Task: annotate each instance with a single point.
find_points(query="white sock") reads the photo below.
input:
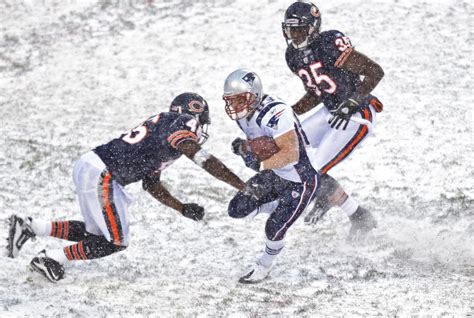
(272, 249)
(266, 208)
(58, 255)
(41, 228)
(349, 206)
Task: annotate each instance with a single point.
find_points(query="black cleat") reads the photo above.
(19, 233)
(47, 267)
(362, 222)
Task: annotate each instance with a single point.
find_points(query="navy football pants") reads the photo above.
(293, 198)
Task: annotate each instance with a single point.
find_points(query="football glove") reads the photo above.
(193, 211)
(343, 114)
(238, 147)
(250, 160)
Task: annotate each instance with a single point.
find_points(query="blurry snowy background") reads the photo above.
(76, 73)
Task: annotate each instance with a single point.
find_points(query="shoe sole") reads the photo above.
(11, 236)
(249, 282)
(244, 280)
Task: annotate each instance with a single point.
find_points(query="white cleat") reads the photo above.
(19, 233)
(256, 274)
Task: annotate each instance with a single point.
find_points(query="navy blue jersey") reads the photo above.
(319, 67)
(148, 148)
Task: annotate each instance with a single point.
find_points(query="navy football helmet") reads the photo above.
(196, 106)
(302, 23)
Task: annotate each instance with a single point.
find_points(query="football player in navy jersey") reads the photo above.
(335, 74)
(101, 175)
(286, 180)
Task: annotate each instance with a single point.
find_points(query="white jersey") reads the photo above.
(274, 118)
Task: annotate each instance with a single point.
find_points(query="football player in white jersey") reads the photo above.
(286, 182)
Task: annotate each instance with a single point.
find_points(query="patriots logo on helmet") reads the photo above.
(249, 78)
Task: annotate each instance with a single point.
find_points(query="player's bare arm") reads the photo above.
(159, 192)
(360, 64)
(288, 153)
(307, 102)
(211, 164)
(153, 186)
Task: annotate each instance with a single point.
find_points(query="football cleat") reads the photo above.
(316, 213)
(362, 222)
(255, 275)
(19, 233)
(48, 267)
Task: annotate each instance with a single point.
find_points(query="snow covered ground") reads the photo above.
(76, 73)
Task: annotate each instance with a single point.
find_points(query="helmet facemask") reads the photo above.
(204, 135)
(240, 105)
(196, 106)
(301, 25)
(298, 35)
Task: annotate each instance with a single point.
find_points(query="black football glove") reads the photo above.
(255, 190)
(343, 114)
(252, 162)
(238, 147)
(249, 158)
(193, 211)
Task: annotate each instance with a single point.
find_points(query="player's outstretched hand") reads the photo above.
(193, 211)
(343, 114)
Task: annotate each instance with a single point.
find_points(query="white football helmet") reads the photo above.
(242, 93)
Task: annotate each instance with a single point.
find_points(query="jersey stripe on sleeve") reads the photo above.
(343, 57)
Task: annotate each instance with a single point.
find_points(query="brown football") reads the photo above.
(262, 147)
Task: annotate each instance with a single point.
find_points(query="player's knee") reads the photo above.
(235, 209)
(238, 207)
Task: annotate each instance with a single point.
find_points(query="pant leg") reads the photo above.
(294, 198)
(104, 203)
(337, 144)
(316, 126)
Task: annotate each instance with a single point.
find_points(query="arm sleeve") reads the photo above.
(182, 129)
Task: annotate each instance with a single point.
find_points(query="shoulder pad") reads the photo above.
(271, 112)
(331, 35)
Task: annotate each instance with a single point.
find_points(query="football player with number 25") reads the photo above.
(100, 176)
(275, 145)
(342, 79)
